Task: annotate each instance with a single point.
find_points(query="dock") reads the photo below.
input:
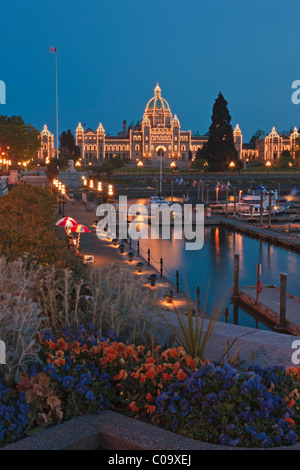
(268, 306)
(264, 233)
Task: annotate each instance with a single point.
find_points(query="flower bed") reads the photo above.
(201, 400)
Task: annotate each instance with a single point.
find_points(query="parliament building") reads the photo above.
(158, 135)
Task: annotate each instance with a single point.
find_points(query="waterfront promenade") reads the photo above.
(103, 251)
(105, 254)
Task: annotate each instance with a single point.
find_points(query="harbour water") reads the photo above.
(211, 268)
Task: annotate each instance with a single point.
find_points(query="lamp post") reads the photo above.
(99, 189)
(140, 165)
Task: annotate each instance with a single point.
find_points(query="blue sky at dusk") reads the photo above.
(112, 53)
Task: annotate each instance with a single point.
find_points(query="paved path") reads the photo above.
(106, 254)
(103, 251)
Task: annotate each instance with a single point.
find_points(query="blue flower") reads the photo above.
(85, 378)
(90, 396)
(81, 388)
(212, 398)
(192, 385)
(234, 442)
(105, 378)
(32, 371)
(68, 381)
(223, 439)
(291, 437)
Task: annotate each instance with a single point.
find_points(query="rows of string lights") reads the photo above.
(61, 187)
(97, 185)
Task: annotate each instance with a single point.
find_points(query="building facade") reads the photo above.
(46, 150)
(159, 134)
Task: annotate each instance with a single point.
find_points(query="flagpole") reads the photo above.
(56, 103)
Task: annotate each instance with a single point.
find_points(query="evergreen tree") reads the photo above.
(219, 150)
(68, 150)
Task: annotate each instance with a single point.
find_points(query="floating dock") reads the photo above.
(268, 306)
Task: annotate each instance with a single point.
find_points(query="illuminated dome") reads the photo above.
(157, 103)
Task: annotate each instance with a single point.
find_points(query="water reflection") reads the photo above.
(212, 267)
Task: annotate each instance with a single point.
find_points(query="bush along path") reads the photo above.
(86, 373)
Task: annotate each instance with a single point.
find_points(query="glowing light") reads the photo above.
(99, 186)
(232, 164)
(91, 184)
(268, 164)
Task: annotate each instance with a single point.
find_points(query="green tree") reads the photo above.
(52, 171)
(68, 150)
(285, 159)
(200, 164)
(21, 138)
(259, 133)
(219, 150)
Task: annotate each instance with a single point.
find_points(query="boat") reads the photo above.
(249, 206)
(159, 200)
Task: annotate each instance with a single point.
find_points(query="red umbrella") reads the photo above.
(79, 229)
(67, 222)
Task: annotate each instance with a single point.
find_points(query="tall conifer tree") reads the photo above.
(219, 150)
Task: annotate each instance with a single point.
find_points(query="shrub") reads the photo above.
(26, 219)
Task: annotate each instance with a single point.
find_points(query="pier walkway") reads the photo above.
(268, 306)
(284, 239)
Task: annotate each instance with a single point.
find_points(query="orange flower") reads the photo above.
(290, 421)
(176, 366)
(150, 360)
(121, 375)
(190, 363)
(129, 351)
(133, 406)
(62, 344)
(135, 375)
(151, 373)
(172, 352)
(52, 345)
(120, 347)
(60, 361)
(167, 377)
(142, 378)
(111, 357)
(149, 397)
(290, 403)
(181, 375)
(150, 409)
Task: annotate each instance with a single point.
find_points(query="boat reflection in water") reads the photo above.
(211, 268)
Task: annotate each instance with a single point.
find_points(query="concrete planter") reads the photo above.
(113, 431)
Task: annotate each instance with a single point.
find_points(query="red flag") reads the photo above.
(52, 49)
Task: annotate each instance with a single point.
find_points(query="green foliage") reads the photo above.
(52, 171)
(27, 225)
(285, 160)
(68, 150)
(22, 139)
(219, 150)
(200, 164)
(191, 332)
